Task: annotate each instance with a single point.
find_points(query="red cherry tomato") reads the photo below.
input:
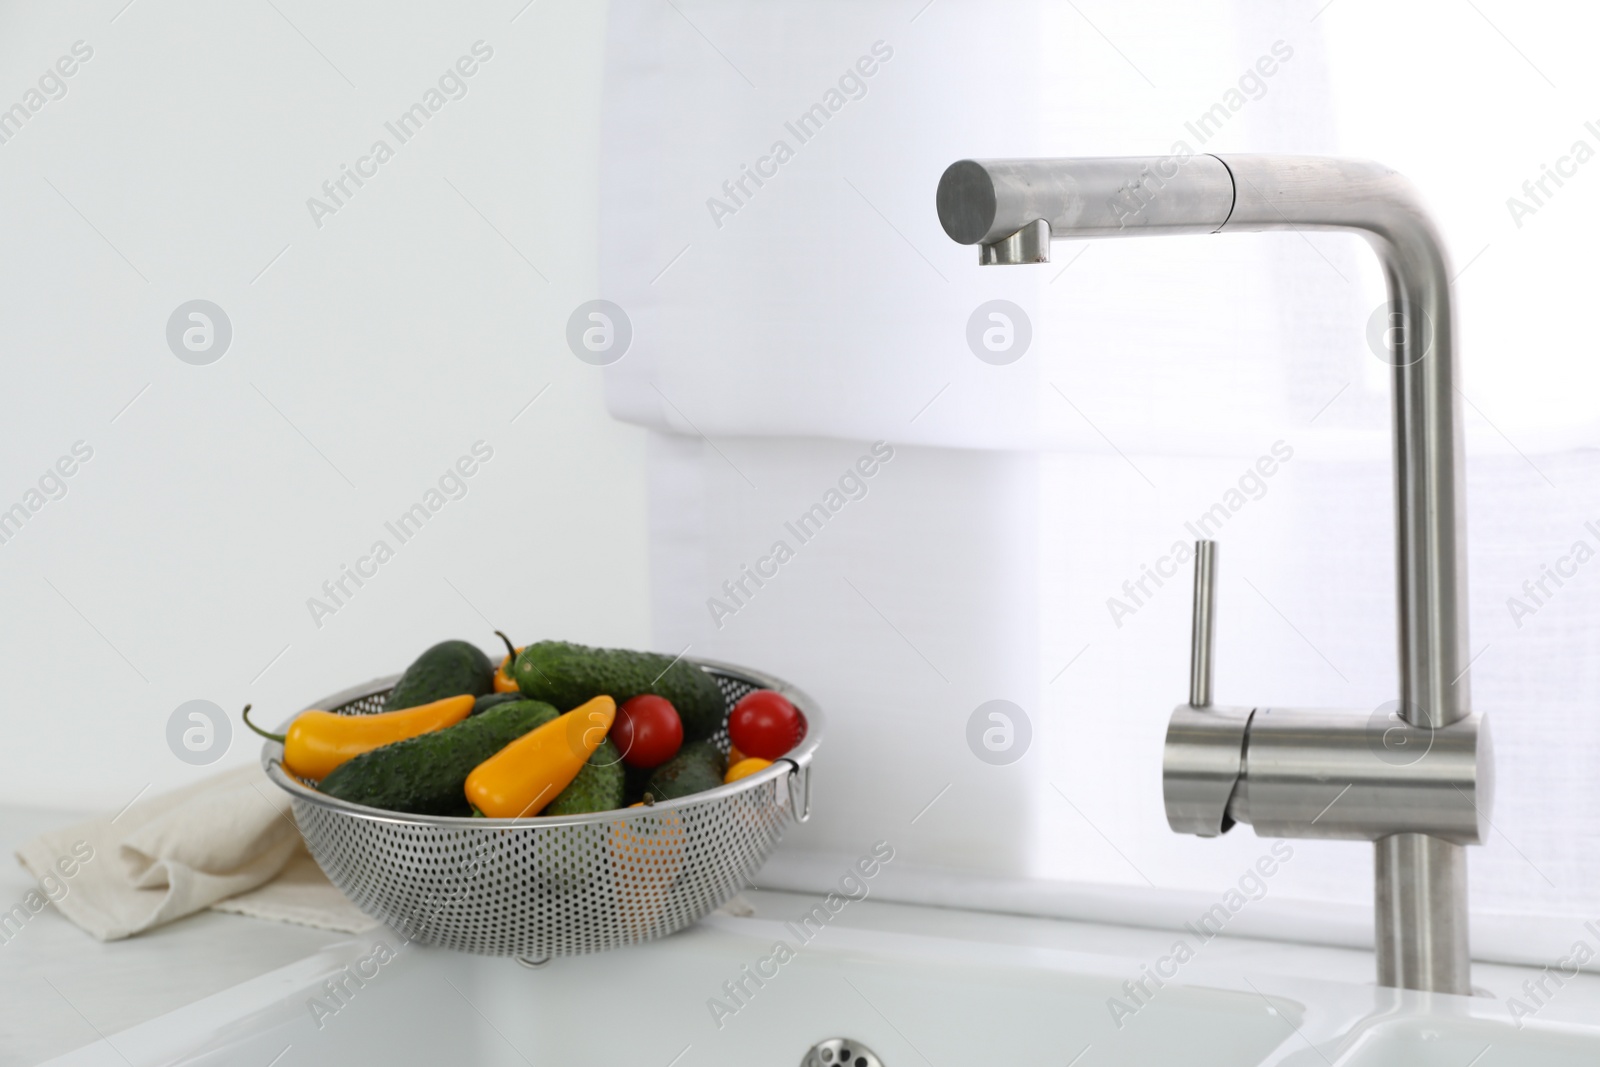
(765, 725)
(647, 730)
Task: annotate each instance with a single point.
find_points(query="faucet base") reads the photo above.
(1421, 922)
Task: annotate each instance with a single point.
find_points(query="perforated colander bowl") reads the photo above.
(561, 885)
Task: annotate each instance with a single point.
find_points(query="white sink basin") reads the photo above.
(918, 986)
(1420, 1041)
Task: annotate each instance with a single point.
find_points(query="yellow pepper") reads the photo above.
(319, 741)
(527, 774)
(503, 682)
(745, 768)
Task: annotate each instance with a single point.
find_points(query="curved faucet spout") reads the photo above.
(986, 202)
(1004, 205)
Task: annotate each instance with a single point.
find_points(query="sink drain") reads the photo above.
(840, 1052)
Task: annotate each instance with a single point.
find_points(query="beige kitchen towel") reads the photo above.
(228, 842)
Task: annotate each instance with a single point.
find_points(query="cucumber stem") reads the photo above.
(511, 650)
(245, 714)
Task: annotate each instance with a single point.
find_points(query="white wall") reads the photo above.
(829, 310)
(365, 359)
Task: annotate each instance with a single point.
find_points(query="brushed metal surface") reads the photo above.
(1421, 882)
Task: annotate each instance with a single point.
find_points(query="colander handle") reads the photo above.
(803, 773)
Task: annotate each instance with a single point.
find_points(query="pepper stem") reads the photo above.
(511, 650)
(245, 714)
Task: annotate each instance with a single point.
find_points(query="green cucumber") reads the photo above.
(698, 766)
(598, 787)
(489, 700)
(567, 675)
(427, 774)
(448, 669)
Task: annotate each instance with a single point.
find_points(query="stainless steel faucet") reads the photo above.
(1419, 787)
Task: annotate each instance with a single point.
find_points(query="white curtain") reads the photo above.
(781, 327)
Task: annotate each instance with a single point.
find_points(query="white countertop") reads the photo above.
(63, 990)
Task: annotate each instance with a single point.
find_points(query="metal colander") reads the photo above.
(559, 885)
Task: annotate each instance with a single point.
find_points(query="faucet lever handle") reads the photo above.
(1202, 646)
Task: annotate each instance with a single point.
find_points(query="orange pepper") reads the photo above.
(503, 682)
(745, 768)
(527, 774)
(319, 741)
(647, 856)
